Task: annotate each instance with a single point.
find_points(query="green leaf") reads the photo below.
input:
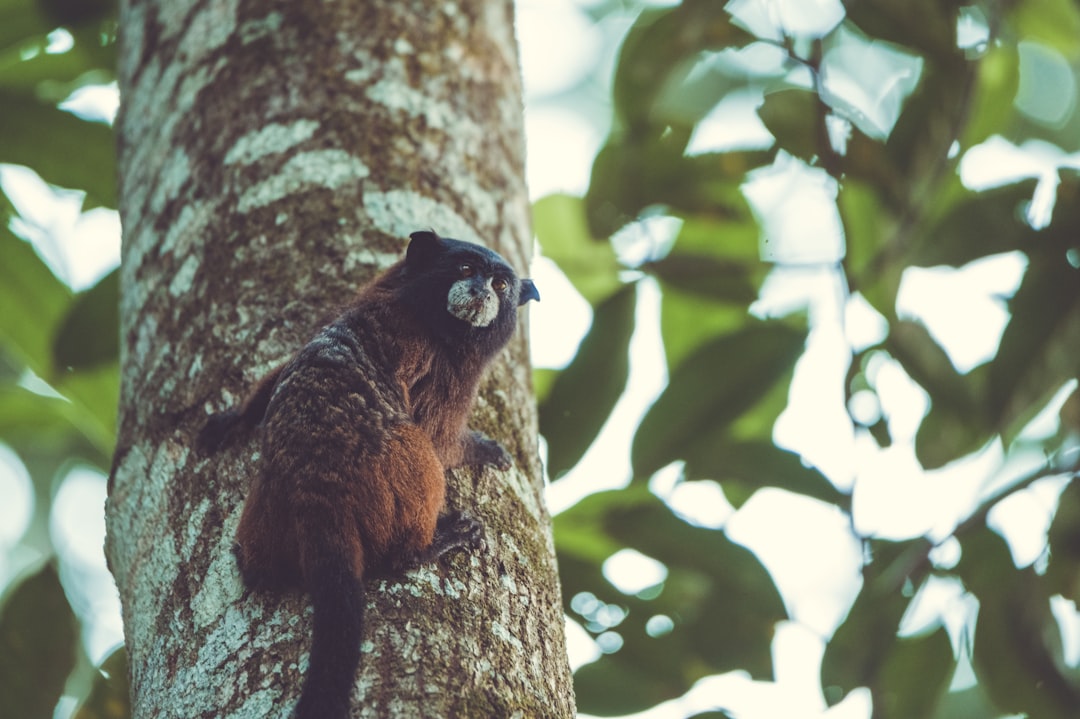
(967, 703)
(1052, 22)
(992, 109)
(82, 420)
(109, 696)
(692, 89)
(81, 424)
(78, 12)
(915, 676)
(657, 668)
(957, 423)
(945, 435)
(627, 177)
(54, 76)
(589, 264)
(38, 637)
(859, 651)
(64, 72)
(757, 423)
(616, 685)
(698, 306)
(715, 278)
(90, 333)
(928, 364)
(688, 321)
(920, 143)
(20, 20)
(542, 379)
(34, 301)
(1063, 573)
(659, 44)
(632, 175)
(712, 388)
(737, 632)
(584, 393)
(78, 154)
(94, 394)
(868, 222)
(752, 465)
(728, 603)
(721, 601)
(791, 116)
(868, 161)
(1017, 652)
(28, 416)
(1037, 354)
(976, 226)
(928, 26)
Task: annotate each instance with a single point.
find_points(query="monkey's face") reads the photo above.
(477, 296)
(463, 290)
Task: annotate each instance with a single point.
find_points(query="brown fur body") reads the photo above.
(357, 431)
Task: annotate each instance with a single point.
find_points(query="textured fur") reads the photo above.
(357, 431)
(473, 300)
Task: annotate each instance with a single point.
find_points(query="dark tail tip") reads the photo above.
(321, 707)
(335, 649)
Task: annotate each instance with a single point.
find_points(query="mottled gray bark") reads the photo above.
(273, 156)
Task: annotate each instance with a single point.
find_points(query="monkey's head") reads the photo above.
(463, 290)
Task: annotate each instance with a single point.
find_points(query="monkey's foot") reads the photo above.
(455, 530)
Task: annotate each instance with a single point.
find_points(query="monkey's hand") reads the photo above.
(218, 430)
(481, 450)
(224, 427)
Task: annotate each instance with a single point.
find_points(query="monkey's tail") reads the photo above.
(337, 595)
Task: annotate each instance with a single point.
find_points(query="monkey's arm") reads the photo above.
(222, 427)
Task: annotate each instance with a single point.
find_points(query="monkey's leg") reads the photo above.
(265, 547)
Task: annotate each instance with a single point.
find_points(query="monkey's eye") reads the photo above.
(499, 284)
(466, 270)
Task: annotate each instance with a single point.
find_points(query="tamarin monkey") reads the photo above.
(357, 431)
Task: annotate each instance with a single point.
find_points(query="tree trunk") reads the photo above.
(274, 156)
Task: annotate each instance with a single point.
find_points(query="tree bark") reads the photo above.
(274, 156)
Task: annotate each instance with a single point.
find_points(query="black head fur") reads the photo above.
(434, 264)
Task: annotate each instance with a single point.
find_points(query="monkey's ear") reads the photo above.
(425, 244)
(528, 292)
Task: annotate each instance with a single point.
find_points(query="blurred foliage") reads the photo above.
(38, 638)
(901, 205)
(59, 350)
(108, 698)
